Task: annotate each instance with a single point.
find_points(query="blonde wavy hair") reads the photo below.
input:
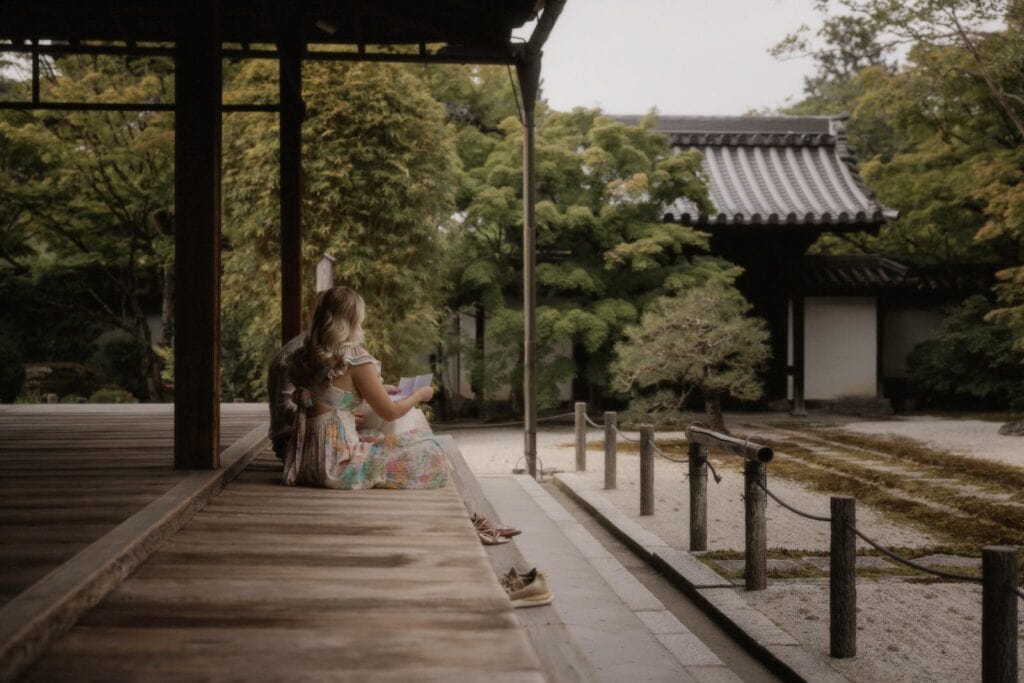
(336, 332)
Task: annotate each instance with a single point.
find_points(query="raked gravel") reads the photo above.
(972, 438)
(906, 631)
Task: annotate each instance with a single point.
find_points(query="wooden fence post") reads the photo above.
(842, 579)
(698, 496)
(611, 443)
(581, 436)
(646, 470)
(755, 507)
(998, 614)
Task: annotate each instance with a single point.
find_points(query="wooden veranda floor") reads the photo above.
(70, 474)
(268, 582)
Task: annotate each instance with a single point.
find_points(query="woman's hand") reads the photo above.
(391, 389)
(367, 382)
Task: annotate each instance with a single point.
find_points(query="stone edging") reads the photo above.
(37, 616)
(713, 593)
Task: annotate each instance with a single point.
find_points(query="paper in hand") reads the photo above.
(407, 385)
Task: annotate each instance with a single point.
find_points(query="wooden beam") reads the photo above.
(197, 175)
(461, 56)
(125, 106)
(292, 113)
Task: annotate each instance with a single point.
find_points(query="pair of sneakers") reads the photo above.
(526, 590)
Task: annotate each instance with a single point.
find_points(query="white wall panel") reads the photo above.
(841, 347)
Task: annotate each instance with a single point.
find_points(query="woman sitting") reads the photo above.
(333, 374)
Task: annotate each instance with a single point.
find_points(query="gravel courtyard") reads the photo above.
(910, 628)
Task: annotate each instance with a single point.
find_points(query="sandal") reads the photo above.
(490, 538)
(484, 524)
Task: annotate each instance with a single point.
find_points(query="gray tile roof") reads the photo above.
(795, 170)
(872, 273)
(855, 272)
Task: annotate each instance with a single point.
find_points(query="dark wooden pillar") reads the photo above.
(197, 236)
(799, 354)
(291, 48)
(528, 70)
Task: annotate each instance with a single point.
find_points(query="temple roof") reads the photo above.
(851, 274)
(785, 170)
(854, 274)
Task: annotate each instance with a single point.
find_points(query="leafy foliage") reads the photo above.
(379, 168)
(12, 370)
(603, 249)
(91, 191)
(971, 360)
(702, 339)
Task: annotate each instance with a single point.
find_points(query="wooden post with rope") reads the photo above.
(611, 444)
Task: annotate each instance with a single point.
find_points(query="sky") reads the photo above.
(681, 56)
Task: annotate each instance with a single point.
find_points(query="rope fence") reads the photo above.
(910, 563)
(801, 513)
(999, 564)
(496, 425)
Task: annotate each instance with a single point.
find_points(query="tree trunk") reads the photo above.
(713, 410)
(167, 305)
(481, 364)
(153, 380)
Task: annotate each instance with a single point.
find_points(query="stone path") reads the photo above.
(623, 629)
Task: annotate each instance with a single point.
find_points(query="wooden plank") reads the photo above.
(197, 139)
(61, 489)
(271, 582)
(38, 615)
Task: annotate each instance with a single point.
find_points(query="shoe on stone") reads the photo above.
(484, 524)
(533, 593)
(491, 538)
(513, 580)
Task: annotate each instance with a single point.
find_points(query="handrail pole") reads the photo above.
(611, 443)
(729, 444)
(698, 496)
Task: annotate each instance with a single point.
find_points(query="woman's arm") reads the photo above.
(368, 384)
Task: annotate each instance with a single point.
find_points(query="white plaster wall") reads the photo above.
(840, 349)
(905, 328)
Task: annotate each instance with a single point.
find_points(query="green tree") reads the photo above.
(379, 167)
(703, 339)
(855, 34)
(972, 359)
(91, 192)
(603, 248)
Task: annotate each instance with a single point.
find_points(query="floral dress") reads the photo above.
(326, 450)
